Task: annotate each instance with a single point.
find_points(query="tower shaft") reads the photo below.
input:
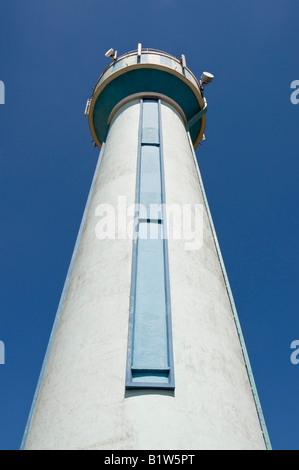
(145, 351)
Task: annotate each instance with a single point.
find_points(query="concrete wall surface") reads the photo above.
(82, 403)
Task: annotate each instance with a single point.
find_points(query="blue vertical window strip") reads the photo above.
(150, 354)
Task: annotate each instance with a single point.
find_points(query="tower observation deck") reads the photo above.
(146, 350)
(149, 73)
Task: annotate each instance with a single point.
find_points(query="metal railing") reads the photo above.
(143, 52)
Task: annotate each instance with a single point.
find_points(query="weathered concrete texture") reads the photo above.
(211, 379)
(82, 397)
(82, 403)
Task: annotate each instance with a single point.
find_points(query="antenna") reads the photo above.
(139, 49)
(111, 53)
(206, 78)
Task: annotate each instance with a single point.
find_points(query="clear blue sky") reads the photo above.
(51, 54)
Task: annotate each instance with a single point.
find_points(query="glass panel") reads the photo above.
(150, 181)
(150, 345)
(149, 362)
(166, 61)
(150, 124)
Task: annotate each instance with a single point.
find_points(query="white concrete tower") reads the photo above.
(146, 350)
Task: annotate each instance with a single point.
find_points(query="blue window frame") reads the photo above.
(150, 355)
